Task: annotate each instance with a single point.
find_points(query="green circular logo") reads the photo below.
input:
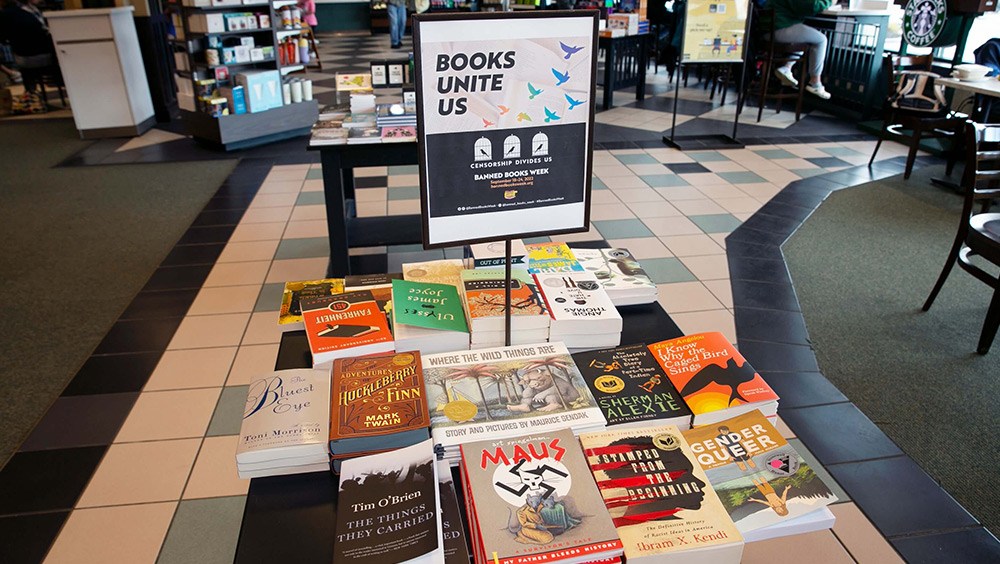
(923, 21)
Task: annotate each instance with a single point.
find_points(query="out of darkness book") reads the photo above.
(630, 387)
(388, 508)
(456, 544)
(377, 395)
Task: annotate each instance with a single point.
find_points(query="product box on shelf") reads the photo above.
(628, 22)
(207, 23)
(227, 2)
(261, 88)
(236, 98)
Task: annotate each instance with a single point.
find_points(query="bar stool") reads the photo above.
(771, 55)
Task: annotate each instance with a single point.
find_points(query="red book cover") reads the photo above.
(344, 321)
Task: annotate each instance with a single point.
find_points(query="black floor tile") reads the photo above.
(145, 335)
(189, 255)
(218, 217)
(786, 209)
(898, 496)
(25, 539)
(961, 547)
(839, 433)
(803, 389)
(177, 278)
(804, 197)
(47, 480)
(158, 305)
(212, 234)
(779, 357)
(686, 168)
(762, 295)
(112, 374)
(771, 325)
(371, 182)
(737, 249)
(828, 162)
(760, 270)
(78, 421)
(772, 224)
(744, 233)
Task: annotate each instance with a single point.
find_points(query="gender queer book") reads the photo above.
(456, 545)
(388, 510)
(286, 420)
(483, 290)
(377, 403)
(631, 389)
(505, 392)
(714, 379)
(551, 257)
(663, 505)
(619, 273)
(582, 313)
(348, 324)
(428, 317)
(290, 312)
(531, 499)
(766, 486)
(398, 134)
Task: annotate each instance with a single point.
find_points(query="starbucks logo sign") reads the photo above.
(923, 21)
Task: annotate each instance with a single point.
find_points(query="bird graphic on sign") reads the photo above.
(572, 103)
(560, 76)
(570, 51)
(550, 115)
(533, 91)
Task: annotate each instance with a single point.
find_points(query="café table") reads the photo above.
(984, 91)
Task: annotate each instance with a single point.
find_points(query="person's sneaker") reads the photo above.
(784, 74)
(818, 90)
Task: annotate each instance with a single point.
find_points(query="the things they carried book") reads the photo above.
(531, 499)
(388, 509)
(766, 486)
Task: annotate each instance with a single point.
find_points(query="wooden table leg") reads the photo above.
(336, 220)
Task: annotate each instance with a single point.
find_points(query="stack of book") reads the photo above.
(485, 301)
(583, 316)
(396, 123)
(376, 404)
(428, 317)
(345, 325)
(490, 255)
(551, 257)
(290, 312)
(444, 271)
(619, 273)
(503, 392)
(380, 285)
(285, 424)
(714, 379)
(329, 132)
(530, 498)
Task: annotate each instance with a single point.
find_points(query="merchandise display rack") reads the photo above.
(236, 131)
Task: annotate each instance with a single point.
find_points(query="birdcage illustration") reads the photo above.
(484, 150)
(540, 145)
(512, 147)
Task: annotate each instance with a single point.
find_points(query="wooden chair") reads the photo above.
(913, 103)
(978, 233)
(311, 37)
(768, 55)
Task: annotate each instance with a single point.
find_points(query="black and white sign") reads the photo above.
(506, 112)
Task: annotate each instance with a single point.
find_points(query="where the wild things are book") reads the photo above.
(532, 499)
(388, 510)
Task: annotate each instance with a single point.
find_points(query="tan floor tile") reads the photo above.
(228, 299)
(592, 235)
(371, 194)
(780, 178)
(722, 290)
(252, 361)
(668, 226)
(804, 151)
(174, 414)
(669, 156)
(760, 191)
(708, 267)
(249, 251)
(720, 190)
(305, 213)
(783, 428)
(396, 180)
(371, 171)
(700, 179)
(637, 195)
(742, 216)
(297, 269)
(262, 329)
(302, 167)
(313, 185)
(238, 274)
(624, 182)
(704, 321)
(646, 210)
(293, 174)
(698, 207)
(266, 215)
(691, 245)
(682, 297)
(821, 547)
(131, 533)
(214, 473)
(719, 238)
(795, 164)
(724, 166)
(370, 209)
(280, 187)
(141, 473)
(677, 193)
(739, 205)
(643, 247)
(403, 207)
(305, 229)
(604, 197)
(643, 169)
(246, 232)
(610, 171)
(194, 368)
(204, 331)
(274, 200)
(600, 212)
(860, 537)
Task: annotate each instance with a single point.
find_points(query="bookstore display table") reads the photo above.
(293, 518)
(625, 60)
(344, 227)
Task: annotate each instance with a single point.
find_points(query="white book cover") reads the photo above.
(486, 255)
(287, 415)
(578, 304)
(619, 273)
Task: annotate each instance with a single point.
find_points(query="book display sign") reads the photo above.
(715, 31)
(506, 118)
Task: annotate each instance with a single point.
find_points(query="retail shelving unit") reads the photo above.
(239, 130)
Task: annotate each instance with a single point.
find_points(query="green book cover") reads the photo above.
(428, 305)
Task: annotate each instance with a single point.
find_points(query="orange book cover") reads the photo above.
(348, 320)
(377, 395)
(710, 373)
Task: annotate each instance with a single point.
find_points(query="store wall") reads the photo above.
(343, 15)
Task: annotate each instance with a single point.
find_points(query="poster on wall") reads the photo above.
(714, 31)
(505, 103)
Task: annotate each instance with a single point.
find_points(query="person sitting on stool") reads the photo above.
(789, 27)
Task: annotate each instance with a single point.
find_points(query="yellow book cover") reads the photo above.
(290, 312)
(551, 257)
